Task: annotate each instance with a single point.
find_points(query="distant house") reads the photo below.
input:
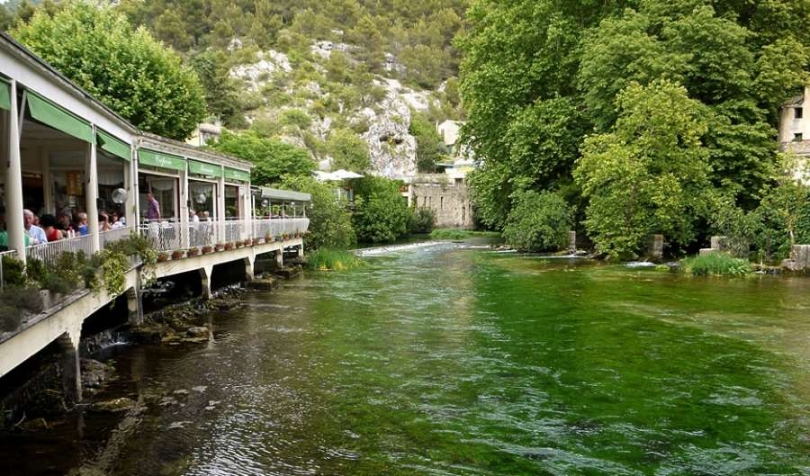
(204, 134)
(794, 130)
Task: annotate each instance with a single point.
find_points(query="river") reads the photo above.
(455, 360)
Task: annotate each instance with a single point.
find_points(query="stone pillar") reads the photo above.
(13, 182)
(719, 243)
(70, 366)
(135, 304)
(301, 250)
(91, 205)
(656, 247)
(572, 241)
(206, 273)
(280, 258)
(250, 262)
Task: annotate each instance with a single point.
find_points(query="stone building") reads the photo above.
(448, 199)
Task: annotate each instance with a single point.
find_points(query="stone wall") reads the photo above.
(450, 202)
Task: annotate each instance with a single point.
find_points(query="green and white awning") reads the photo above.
(161, 160)
(5, 94)
(235, 174)
(113, 145)
(52, 115)
(203, 168)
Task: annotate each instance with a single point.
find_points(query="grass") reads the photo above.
(332, 260)
(715, 264)
(457, 234)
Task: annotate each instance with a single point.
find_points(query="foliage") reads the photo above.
(740, 228)
(139, 246)
(14, 300)
(13, 271)
(423, 220)
(538, 222)
(112, 266)
(715, 264)
(329, 219)
(649, 174)
(456, 234)
(381, 214)
(126, 69)
(272, 158)
(221, 91)
(538, 76)
(430, 148)
(324, 259)
(348, 151)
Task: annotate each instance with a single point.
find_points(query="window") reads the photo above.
(797, 137)
(798, 112)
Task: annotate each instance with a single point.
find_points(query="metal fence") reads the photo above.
(49, 252)
(163, 235)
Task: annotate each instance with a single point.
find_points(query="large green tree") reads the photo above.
(649, 174)
(329, 217)
(123, 67)
(272, 158)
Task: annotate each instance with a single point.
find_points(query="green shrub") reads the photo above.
(715, 264)
(422, 220)
(538, 221)
(13, 271)
(381, 214)
(332, 260)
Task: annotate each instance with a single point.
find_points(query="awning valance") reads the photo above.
(113, 145)
(203, 168)
(161, 160)
(234, 174)
(5, 94)
(50, 114)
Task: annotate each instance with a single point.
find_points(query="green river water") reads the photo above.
(454, 360)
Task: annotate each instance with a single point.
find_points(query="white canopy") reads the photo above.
(336, 176)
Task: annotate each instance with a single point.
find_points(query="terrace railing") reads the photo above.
(109, 236)
(163, 235)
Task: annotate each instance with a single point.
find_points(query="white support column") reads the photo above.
(220, 207)
(91, 193)
(131, 186)
(14, 188)
(47, 179)
(247, 210)
(184, 235)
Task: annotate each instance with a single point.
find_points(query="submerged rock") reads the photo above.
(197, 331)
(113, 406)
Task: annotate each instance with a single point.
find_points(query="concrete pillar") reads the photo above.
(91, 192)
(206, 273)
(70, 366)
(250, 262)
(301, 250)
(280, 258)
(13, 180)
(135, 304)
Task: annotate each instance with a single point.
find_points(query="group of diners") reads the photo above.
(41, 229)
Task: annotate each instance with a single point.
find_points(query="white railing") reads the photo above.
(163, 235)
(49, 252)
(3, 254)
(202, 233)
(114, 235)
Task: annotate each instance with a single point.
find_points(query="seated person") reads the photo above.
(52, 233)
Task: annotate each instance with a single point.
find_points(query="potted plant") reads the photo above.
(207, 249)
(219, 246)
(240, 243)
(193, 251)
(163, 256)
(178, 254)
(228, 246)
(257, 241)
(248, 242)
(268, 237)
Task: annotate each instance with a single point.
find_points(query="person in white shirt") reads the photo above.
(36, 233)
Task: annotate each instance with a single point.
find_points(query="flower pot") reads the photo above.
(219, 247)
(228, 246)
(193, 252)
(163, 257)
(207, 249)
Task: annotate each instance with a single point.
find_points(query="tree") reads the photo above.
(381, 213)
(124, 68)
(273, 159)
(538, 222)
(329, 217)
(429, 146)
(221, 91)
(649, 174)
(348, 150)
